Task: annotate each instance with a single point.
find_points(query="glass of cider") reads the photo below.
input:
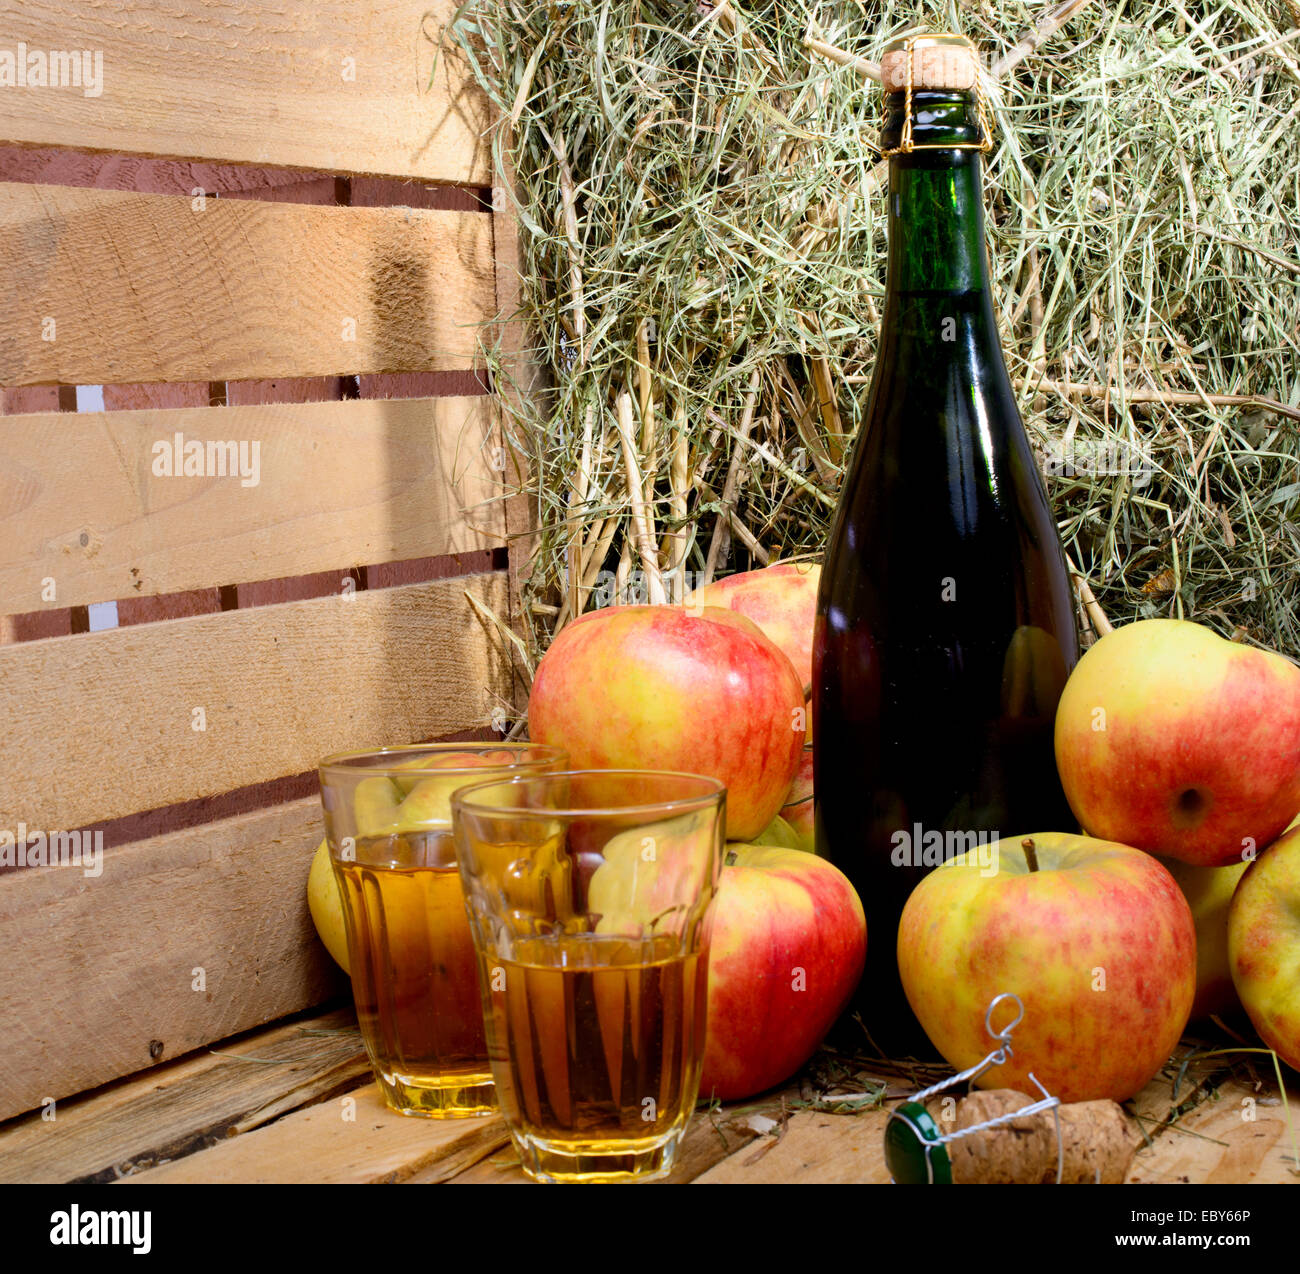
(411, 956)
(590, 900)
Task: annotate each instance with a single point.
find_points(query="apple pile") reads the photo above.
(1179, 753)
(1198, 745)
(716, 687)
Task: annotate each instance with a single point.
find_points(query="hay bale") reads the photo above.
(702, 231)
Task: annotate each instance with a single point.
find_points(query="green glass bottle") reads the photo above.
(946, 623)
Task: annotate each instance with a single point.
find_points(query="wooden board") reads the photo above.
(354, 1139)
(708, 1140)
(103, 724)
(112, 986)
(812, 1149)
(346, 85)
(162, 288)
(1239, 1135)
(183, 1106)
(318, 1136)
(338, 484)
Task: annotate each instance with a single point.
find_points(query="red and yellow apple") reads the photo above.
(1209, 891)
(1098, 943)
(659, 688)
(1173, 740)
(789, 941)
(1264, 946)
(781, 599)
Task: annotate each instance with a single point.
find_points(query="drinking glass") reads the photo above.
(388, 824)
(590, 899)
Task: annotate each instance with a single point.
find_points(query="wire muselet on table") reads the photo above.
(998, 1057)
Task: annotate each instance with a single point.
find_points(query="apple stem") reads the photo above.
(1031, 855)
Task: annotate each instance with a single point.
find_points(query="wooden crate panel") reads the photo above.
(113, 990)
(346, 85)
(337, 484)
(104, 286)
(104, 724)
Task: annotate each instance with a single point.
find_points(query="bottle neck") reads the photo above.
(936, 204)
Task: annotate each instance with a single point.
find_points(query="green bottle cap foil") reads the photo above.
(913, 1152)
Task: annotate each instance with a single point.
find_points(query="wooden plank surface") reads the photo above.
(811, 1149)
(1210, 1142)
(178, 1108)
(104, 724)
(112, 986)
(353, 1139)
(213, 1121)
(709, 1139)
(100, 286)
(339, 484)
(1239, 1135)
(344, 85)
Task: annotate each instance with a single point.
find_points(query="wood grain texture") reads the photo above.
(353, 1140)
(183, 1106)
(303, 389)
(151, 610)
(343, 85)
(55, 167)
(708, 1141)
(118, 951)
(370, 192)
(145, 288)
(339, 484)
(811, 1149)
(188, 393)
(103, 724)
(29, 398)
(33, 625)
(1238, 1135)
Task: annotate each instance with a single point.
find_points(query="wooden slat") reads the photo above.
(104, 724)
(181, 1107)
(340, 484)
(338, 1143)
(113, 956)
(343, 85)
(149, 288)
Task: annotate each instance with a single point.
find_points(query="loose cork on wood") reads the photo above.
(1097, 1141)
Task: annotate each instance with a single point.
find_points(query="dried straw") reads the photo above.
(700, 204)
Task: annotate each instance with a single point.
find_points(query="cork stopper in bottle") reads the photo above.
(939, 62)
